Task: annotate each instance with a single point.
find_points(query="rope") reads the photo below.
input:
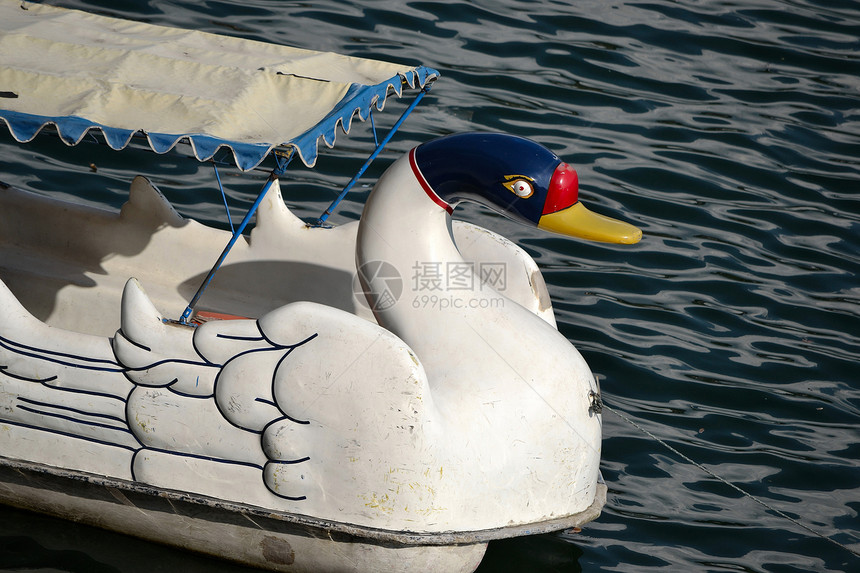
(598, 404)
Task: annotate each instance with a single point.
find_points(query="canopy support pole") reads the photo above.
(373, 127)
(224, 197)
(279, 170)
(379, 147)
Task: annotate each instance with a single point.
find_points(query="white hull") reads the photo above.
(246, 534)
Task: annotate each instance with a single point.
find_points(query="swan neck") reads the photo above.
(404, 233)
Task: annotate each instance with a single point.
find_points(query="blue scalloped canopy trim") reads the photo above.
(358, 99)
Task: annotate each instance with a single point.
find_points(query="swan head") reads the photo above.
(516, 177)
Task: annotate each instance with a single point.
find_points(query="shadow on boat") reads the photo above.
(275, 282)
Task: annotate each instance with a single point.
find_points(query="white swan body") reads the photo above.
(512, 395)
(466, 412)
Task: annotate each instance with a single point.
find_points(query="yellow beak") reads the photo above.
(577, 221)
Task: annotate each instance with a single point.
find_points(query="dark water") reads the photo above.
(729, 131)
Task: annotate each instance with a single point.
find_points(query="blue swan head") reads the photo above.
(518, 178)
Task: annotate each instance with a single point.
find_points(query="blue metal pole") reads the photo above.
(373, 156)
(224, 197)
(236, 234)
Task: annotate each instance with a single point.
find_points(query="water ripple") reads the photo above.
(730, 132)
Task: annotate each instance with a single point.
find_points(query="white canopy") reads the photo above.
(80, 71)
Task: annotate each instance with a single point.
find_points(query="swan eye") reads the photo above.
(520, 186)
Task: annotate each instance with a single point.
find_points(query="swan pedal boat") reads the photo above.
(389, 394)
